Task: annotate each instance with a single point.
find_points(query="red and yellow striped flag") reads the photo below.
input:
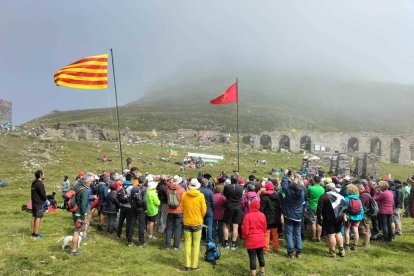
(87, 73)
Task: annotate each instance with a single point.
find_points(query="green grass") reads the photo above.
(103, 255)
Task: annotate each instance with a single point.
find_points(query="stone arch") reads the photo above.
(266, 142)
(284, 143)
(376, 146)
(395, 150)
(353, 144)
(306, 143)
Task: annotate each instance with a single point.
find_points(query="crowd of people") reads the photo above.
(189, 211)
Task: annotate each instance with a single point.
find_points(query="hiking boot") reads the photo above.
(183, 269)
(261, 274)
(76, 253)
(341, 252)
(37, 237)
(195, 268)
(331, 253)
(226, 245)
(130, 244)
(298, 255)
(290, 255)
(141, 245)
(177, 248)
(354, 247)
(346, 247)
(234, 246)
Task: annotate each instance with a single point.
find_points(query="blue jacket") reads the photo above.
(209, 196)
(293, 202)
(102, 193)
(358, 217)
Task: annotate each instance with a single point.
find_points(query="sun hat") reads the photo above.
(176, 179)
(194, 184)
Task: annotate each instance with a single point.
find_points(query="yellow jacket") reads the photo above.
(194, 207)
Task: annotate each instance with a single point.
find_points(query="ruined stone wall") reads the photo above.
(5, 112)
(390, 148)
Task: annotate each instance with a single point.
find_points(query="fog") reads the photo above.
(329, 51)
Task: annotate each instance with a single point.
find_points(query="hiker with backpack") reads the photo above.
(82, 201)
(112, 208)
(152, 208)
(102, 195)
(354, 215)
(208, 218)
(370, 209)
(270, 206)
(174, 213)
(139, 203)
(385, 200)
(254, 228)
(127, 212)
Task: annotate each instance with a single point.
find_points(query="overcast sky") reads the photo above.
(154, 40)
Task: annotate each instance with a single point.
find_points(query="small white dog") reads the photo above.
(67, 241)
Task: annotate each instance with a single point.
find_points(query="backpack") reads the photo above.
(122, 195)
(212, 253)
(246, 206)
(70, 203)
(94, 187)
(373, 207)
(139, 200)
(354, 206)
(173, 200)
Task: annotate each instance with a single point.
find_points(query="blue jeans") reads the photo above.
(208, 220)
(293, 228)
(218, 229)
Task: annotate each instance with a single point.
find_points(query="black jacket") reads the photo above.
(398, 198)
(271, 206)
(38, 193)
(162, 192)
(112, 203)
(233, 194)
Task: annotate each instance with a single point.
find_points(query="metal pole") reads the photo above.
(117, 112)
(238, 141)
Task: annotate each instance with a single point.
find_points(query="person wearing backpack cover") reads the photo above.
(254, 228)
(127, 212)
(385, 201)
(139, 203)
(194, 209)
(270, 206)
(174, 213)
(355, 214)
(152, 208)
(248, 198)
(82, 201)
(365, 225)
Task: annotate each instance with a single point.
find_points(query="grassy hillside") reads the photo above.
(104, 255)
(266, 103)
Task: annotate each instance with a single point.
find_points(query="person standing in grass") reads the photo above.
(330, 216)
(194, 209)
(364, 226)
(38, 197)
(219, 204)
(385, 200)
(254, 228)
(175, 213)
(315, 191)
(353, 217)
(112, 209)
(208, 218)
(82, 201)
(152, 208)
(138, 202)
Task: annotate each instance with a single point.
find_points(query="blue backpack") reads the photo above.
(212, 253)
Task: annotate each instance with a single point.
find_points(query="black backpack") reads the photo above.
(139, 200)
(122, 195)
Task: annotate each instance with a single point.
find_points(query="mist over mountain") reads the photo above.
(267, 102)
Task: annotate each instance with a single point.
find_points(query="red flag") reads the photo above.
(228, 96)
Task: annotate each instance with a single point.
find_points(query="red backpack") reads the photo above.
(354, 206)
(70, 200)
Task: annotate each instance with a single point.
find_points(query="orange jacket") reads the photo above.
(180, 192)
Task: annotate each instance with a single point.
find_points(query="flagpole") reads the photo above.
(117, 112)
(238, 141)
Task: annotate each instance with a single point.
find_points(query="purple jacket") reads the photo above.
(385, 201)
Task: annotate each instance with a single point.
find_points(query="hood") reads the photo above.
(254, 206)
(251, 194)
(193, 193)
(353, 196)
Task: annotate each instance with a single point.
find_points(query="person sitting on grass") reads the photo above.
(254, 228)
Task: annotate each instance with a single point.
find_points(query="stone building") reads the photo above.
(396, 148)
(5, 112)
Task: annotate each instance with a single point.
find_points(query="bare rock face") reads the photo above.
(86, 132)
(367, 164)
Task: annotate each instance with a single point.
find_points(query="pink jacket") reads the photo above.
(219, 205)
(385, 201)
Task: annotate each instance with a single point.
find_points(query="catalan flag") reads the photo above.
(88, 73)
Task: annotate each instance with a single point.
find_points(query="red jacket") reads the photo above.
(385, 201)
(254, 227)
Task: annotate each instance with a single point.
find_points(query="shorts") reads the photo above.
(353, 223)
(38, 210)
(310, 216)
(152, 219)
(232, 215)
(365, 225)
(82, 226)
(332, 227)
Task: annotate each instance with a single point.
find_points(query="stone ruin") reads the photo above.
(340, 164)
(367, 164)
(5, 112)
(86, 132)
